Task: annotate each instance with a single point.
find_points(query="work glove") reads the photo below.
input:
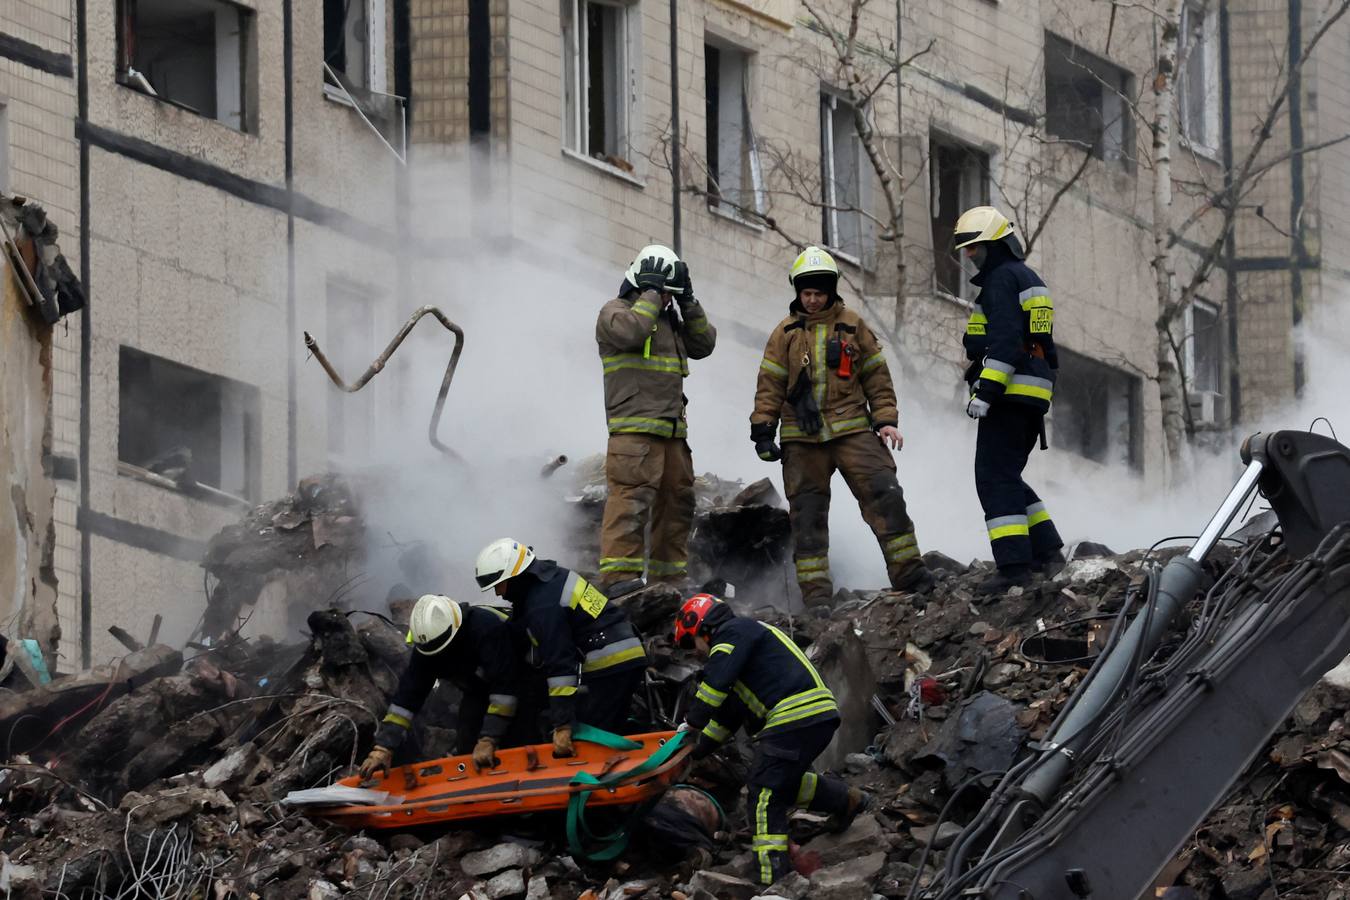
(562, 742)
(704, 747)
(653, 274)
(680, 284)
(803, 402)
(378, 760)
(977, 408)
(484, 753)
(768, 451)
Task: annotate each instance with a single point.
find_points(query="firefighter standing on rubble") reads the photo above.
(757, 677)
(590, 653)
(1010, 342)
(471, 647)
(824, 376)
(646, 337)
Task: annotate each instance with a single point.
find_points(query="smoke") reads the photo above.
(529, 387)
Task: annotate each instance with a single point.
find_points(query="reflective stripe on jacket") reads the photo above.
(757, 676)
(1010, 336)
(645, 353)
(863, 401)
(574, 631)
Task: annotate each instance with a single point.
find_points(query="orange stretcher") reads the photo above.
(610, 769)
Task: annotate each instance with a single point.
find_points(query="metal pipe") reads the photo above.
(380, 361)
(553, 465)
(675, 185)
(1227, 511)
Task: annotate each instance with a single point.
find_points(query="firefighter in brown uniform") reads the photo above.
(646, 336)
(824, 377)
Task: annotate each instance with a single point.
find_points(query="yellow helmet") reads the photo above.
(812, 261)
(980, 223)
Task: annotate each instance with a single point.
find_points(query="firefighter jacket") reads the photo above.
(481, 658)
(863, 400)
(645, 352)
(1010, 336)
(573, 631)
(757, 677)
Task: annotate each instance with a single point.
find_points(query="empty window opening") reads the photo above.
(346, 39)
(1084, 100)
(597, 79)
(1198, 84)
(841, 156)
(187, 425)
(959, 177)
(1096, 413)
(191, 53)
(1204, 363)
(733, 163)
(4, 148)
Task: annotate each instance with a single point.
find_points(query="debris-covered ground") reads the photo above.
(163, 776)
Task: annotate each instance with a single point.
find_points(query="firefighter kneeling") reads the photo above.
(756, 676)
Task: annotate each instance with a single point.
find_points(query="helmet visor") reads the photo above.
(488, 580)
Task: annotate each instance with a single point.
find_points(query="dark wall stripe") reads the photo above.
(1273, 264)
(154, 540)
(292, 395)
(36, 57)
(193, 169)
(86, 343)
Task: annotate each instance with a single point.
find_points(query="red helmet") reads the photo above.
(689, 621)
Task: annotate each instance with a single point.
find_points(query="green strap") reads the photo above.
(579, 835)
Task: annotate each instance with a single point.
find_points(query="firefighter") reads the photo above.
(1011, 347)
(757, 677)
(646, 338)
(824, 376)
(483, 664)
(590, 653)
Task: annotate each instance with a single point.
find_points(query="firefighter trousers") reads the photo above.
(606, 699)
(651, 479)
(780, 778)
(869, 472)
(1020, 530)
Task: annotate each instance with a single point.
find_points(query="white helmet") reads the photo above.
(664, 256)
(500, 560)
(435, 622)
(981, 224)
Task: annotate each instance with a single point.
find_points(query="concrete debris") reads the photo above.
(185, 765)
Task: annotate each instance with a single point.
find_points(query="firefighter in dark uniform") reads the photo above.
(757, 677)
(590, 653)
(1010, 343)
(484, 664)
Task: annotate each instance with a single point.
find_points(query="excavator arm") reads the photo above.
(1146, 747)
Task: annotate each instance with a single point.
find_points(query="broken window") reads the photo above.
(959, 176)
(1198, 84)
(1096, 412)
(841, 156)
(733, 163)
(1084, 100)
(1204, 362)
(349, 328)
(353, 44)
(187, 425)
(191, 53)
(597, 79)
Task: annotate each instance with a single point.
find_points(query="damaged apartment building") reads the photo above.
(228, 175)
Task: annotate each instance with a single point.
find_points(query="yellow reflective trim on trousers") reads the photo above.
(1028, 390)
(396, 719)
(1037, 518)
(660, 567)
(710, 695)
(806, 791)
(562, 690)
(621, 564)
(762, 828)
(768, 843)
(752, 703)
(613, 659)
(772, 367)
(988, 374)
(1007, 531)
(813, 576)
(813, 563)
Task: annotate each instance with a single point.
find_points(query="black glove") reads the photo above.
(762, 435)
(653, 274)
(704, 747)
(679, 283)
(803, 402)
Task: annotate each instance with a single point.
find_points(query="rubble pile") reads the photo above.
(165, 777)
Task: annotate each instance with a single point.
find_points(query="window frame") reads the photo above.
(830, 101)
(1207, 143)
(575, 81)
(124, 15)
(1078, 57)
(1190, 356)
(938, 139)
(750, 185)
